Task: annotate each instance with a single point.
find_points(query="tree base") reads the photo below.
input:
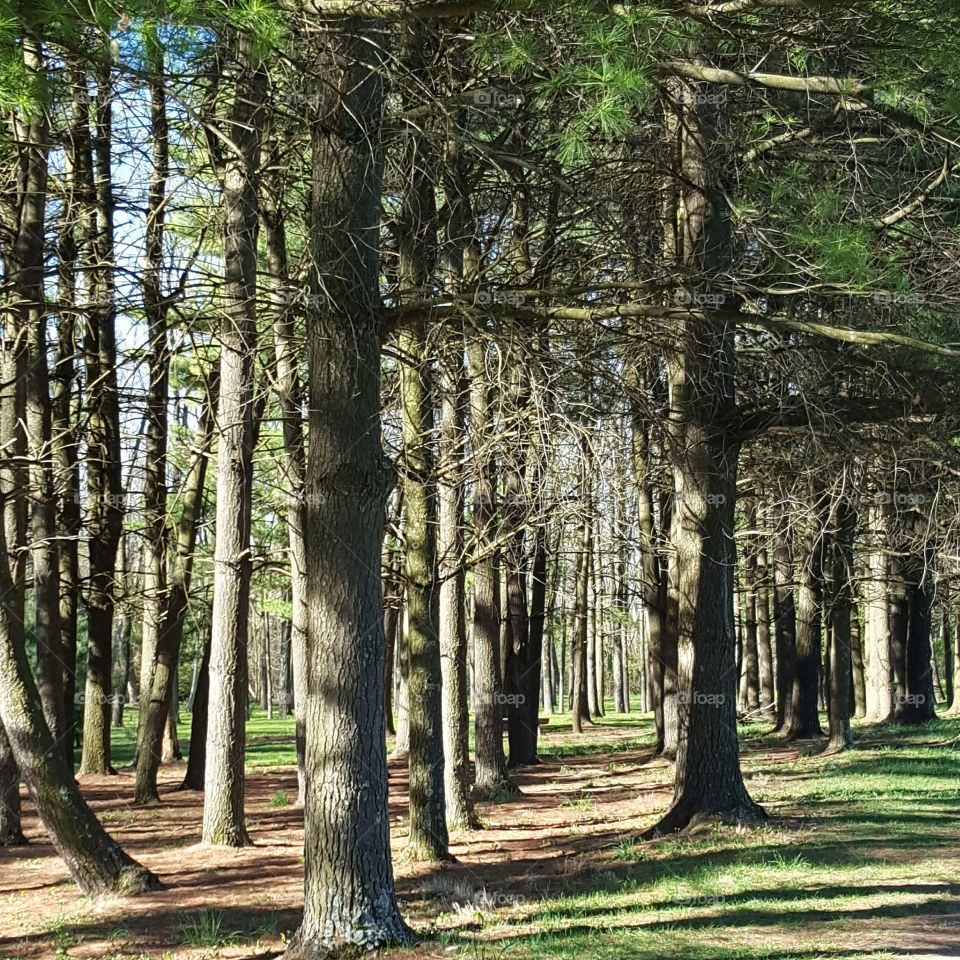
(686, 818)
(524, 762)
(136, 880)
(425, 856)
(500, 790)
(13, 839)
(392, 934)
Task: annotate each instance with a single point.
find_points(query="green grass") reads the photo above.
(860, 844)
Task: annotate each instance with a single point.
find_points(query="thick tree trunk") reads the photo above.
(223, 818)
(803, 718)
(13, 444)
(24, 267)
(349, 897)
(11, 834)
(702, 371)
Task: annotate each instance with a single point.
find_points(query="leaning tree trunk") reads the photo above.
(349, 893)
(24, 263)
(157, 700)
(223, 819)
(96, 862)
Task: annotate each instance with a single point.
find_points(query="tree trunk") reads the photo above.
(764, 623)
(785, 621)
(877, 638)
(918, 702)
(841, 579)
(349, 896)
(223, 817)
(156, 701)
(104, 485)
(751, 653)
(453, 628)
(289, 395)
(154, 541)
(803, 719)
(578, 646)
(856, 663)
(197, 758)
(64, 428)
(708, 780)
(96, 863)
(490, 766)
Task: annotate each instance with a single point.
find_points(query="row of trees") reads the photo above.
(480, 345)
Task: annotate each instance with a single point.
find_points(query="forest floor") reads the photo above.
(861, 859)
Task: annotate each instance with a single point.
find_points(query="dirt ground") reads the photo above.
(571, 816)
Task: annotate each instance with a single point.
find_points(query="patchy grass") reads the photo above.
(861, 859)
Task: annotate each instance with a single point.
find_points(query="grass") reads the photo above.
(862, 850)
(861, 859)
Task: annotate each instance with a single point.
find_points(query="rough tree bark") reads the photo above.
(841, 610)
(490, 765)
(223, 819)
(453, 628)
(104, 483)
(349, 894)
